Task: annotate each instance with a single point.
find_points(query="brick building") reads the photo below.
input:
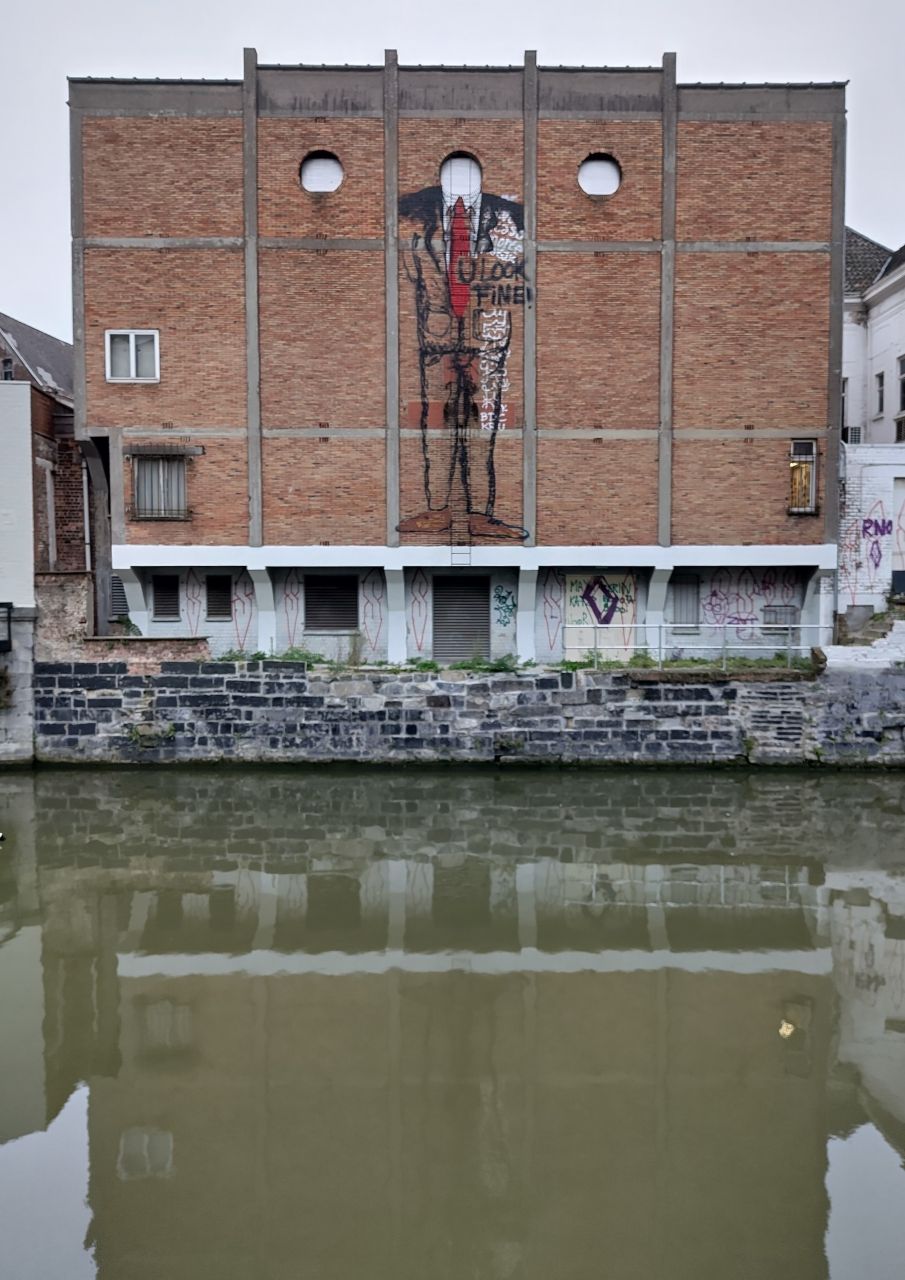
(428, 361)
(45, 538)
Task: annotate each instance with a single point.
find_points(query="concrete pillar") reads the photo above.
(525, 620)
(391, 285)
(526, 897)
(397, 644)
(267, 898)
(267, 610)
(656, 609)
(817, 609)
(135, 598)
(397, 873)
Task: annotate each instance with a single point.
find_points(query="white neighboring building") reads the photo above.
(872, 493)
(17, 574)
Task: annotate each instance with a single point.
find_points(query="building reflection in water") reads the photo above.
(415, 1059)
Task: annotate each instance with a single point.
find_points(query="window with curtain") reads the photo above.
(159, 488)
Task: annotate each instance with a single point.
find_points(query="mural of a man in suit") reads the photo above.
(464, 256)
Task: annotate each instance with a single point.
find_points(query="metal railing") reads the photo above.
(672, 643)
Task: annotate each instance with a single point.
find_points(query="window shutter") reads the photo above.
(686, 589)
(331, 602)
(461, 618)
(119, 605)
(165, 588)
(219, 596)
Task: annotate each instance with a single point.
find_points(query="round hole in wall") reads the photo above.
(460, 175)
(320, 171)
(599, 175)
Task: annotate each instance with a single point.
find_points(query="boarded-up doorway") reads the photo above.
(461, 618)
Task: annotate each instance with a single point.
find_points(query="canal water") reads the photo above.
(452, 1026)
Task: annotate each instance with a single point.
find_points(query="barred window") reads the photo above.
(159, 488)
(331, 602)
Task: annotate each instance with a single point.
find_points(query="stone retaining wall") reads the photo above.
(280, 712)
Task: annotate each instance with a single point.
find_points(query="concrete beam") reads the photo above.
(837, 293)
(667, 301)
(529, 437)
(117, 492)
(156, 97)
(77, 225)
(163, 242)
(252, 322)
(391, 285)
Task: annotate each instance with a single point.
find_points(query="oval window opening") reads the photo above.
(460, 175)
(599, 175)
(320, 171)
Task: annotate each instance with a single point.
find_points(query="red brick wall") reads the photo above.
(43, 448)
(496, 144)
(326, 491)
(751, 335)
(565, 212)
(733, 491)
(354, 209)
(754, 181)
(598, 340)
(216, 491)
(323, 338)
(196, 298)
(64, 456)
(596, 493)
(508, 466)
(162, 177)
(69, 505)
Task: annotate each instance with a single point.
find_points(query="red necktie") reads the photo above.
(459, 249)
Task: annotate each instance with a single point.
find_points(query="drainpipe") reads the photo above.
(86, 516)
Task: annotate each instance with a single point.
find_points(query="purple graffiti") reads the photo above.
(875, 555)
(875, 528)
(601, 599)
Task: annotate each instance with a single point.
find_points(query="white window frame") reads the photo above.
(131, 334)
(879, 394)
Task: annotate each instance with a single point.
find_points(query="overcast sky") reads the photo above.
(43, 41)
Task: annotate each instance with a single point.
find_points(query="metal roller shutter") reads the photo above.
(461, 618)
